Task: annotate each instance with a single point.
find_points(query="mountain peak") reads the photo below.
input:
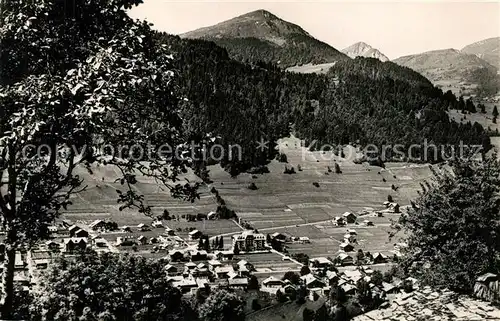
(362, 49)
(262, 36)
(260, 24)
(261, 13)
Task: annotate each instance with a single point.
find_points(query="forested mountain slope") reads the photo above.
(361, 100)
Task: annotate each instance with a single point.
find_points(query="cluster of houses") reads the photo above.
(322, 278)
(191, 276)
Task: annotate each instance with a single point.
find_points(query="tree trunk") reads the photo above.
(8, 282)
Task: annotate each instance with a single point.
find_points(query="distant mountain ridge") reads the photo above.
(487, 49)
(262, 36)
(450, 68)
(362, 49)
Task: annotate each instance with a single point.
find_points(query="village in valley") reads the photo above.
(278, 257)
(157, 166)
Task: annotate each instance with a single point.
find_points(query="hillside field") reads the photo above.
(282, 203)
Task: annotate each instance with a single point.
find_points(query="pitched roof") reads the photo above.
(343, 256)
(321, 260)
(271, 279)
(238, 281)
(214, 263)
(487, 277)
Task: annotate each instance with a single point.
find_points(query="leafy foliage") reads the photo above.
(79, 76)
(454, 226)
(222, 305)
(109, 287)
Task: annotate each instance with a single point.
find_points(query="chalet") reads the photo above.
(212, 215)
(198, 255)
(53, 229)
(52, 245)
(233, 275)
(81, 233)
(153, 240)
(220, 283)
(288, 289)
(125, 241)
(185, 285)
(194, 235)
(345, 259)
(245, 271)
(332, 277)
(304, 240)
(97, 225)
(143, 227)
(339, 221)
(169, 231)
(99, 242)
(349, 217)
(352, 232)
(190, 265)
(75, 244)
(176, 255)
(213, 264)
(157, 224)
(349, 289)
(224, 255)
(312, 282)
(320, 262)
(353, 275)
(245, 264)
(238, 283)
(379, 258)
(282, 237)
(201, 273)
(222, 271)
(368, 223)
(171, 270)
(142, 239)
(249, 241)
(349, 238)
(203, 284)
(126, 228)
(346, 247)
(72, 229)
(272, 282)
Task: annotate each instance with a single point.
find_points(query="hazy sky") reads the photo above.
(396, 28)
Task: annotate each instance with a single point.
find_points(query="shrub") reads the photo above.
(252, 187)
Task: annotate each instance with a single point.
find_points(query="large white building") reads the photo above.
(249, 241)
